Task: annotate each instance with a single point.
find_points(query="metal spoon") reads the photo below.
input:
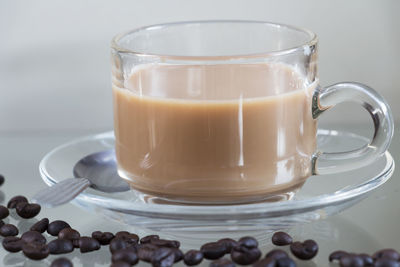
(97, 170)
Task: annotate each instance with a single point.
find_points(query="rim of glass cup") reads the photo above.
(312, 40)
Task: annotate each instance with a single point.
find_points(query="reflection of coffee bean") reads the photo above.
(88, 244)
(4, 212)
(386, 262)
(12, 203)
(163, 257)
(27, 210)
(61, 262)
(223, 262)
(228, 243)
(40, 226)
(192, 257)
(56, 226)
(367, 259)
(8, 230)
(336, 255)
(276, 254)
(69, 233)
(12, 243)
(213, 250)
(281, 239)
(248, 242)
(145, 252)
(147, 239)
(351, 261)
(60, 246)
(165, 243)
(121, 242)
(33, 237)
(2, 179)
(127, 255)
(35, 251)
(103, 238)
(386, 253)
(244, 255)
(306, 250)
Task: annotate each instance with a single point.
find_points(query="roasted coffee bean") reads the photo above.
(165, 243)
(35, 251)
(69, 233)
(8, 230)
(103, 237)
(121, 242)
(163, 257)
(147, 239)
(60, 246)
(281, 239)
(75, 243)
(304, 251)
(367, 259)
(223, 262)
(12, 244)
(386, 262)
(88, 244)
(56, 226)
(192, 257)
(228, 243)
(351, 261)
(40, 226)
(2, 179)
(244, 255)
(266, 262)
(127, 255)
(33, 237)
(213, 250)
(271, 262)
(61, 262)
(145, 252)
(276, 254)
(27, 210)
(336, 255)
(387, 253)
(15, 200)
(178, 254)
(132, 236)
(285, 262)
(120, 264)
(121, 233)
(248, 242)
(4, 212)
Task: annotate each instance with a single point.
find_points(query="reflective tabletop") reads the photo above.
(366, 227)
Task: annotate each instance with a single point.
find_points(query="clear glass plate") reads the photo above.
(320, 197)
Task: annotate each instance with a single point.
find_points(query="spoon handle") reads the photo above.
(61, 193)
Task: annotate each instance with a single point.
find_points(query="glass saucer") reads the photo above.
(320, 197)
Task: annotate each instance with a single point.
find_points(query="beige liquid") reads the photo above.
(214, 133)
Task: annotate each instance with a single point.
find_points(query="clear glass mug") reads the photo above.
(226, 111)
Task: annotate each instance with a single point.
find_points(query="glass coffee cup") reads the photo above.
(222, 112)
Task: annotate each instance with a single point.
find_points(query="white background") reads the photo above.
(54, 55)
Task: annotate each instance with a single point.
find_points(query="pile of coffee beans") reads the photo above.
(127, 249)
(381, 258)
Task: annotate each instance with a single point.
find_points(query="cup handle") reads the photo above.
(325, 98)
